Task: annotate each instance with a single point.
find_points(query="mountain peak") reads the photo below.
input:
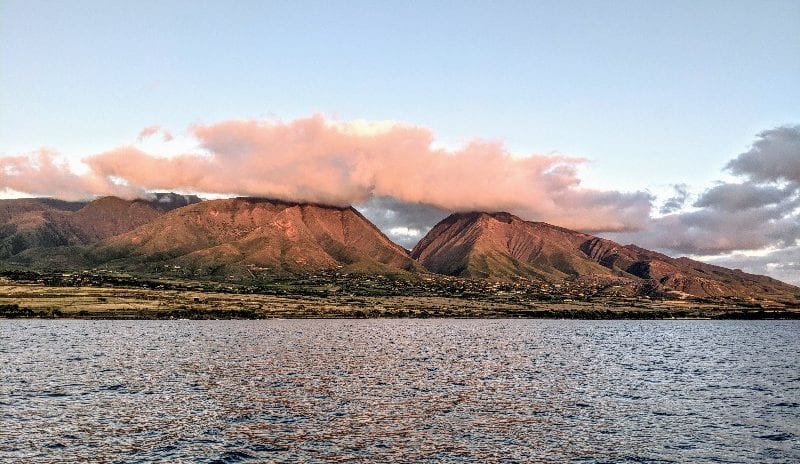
(501, 245)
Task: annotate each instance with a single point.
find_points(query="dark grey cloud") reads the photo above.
(782, 264)
(677, 201)
(774, 156)
(405, 223)
(747, 195)
(711, 232)
(760, 211)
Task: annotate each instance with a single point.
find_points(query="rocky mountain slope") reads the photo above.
(32, 223)
(256, 235)
(501, 245)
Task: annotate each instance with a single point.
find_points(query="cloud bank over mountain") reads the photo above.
(42, 173)
(401, 180)
(323, 161)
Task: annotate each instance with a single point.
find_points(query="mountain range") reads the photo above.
(248, 236)
(31, 223)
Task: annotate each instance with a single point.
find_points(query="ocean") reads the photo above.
(401, 390)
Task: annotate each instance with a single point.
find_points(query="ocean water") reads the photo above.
(399, 391)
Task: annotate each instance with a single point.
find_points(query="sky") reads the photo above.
(673, 125)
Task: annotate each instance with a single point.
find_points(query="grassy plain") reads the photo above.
(32, 299)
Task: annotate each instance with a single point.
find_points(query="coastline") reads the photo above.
(31, 301)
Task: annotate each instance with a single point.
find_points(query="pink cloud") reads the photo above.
(40, 173)
(147, 132)
(317, 160)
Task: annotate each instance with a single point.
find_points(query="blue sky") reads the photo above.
(652, 93)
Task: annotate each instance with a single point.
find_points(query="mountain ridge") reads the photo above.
(29, 223)
(245, 236)
(244, 233)
(501, 245)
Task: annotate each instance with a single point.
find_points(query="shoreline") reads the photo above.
(791, 317)
(36, 301)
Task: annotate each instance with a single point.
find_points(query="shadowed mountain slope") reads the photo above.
(31, 223)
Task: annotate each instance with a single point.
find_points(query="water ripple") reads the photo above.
(399, 391)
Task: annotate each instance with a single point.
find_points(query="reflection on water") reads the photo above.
(399, 390)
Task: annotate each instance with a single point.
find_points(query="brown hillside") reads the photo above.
(30, 223)
(500, 245)
(217, 236)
